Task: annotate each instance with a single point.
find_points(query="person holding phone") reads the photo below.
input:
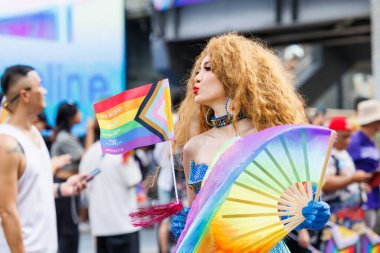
(27, 212)
(65, 142)
(111, 195)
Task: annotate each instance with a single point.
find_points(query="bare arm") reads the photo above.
(58, 162)
(304, 238)
(187, 156)
(73, 186)
(90, 135)
(11, 157)
(333, 182)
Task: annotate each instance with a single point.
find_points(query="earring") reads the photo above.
(226, 107)
(5, 103)
(207, 120)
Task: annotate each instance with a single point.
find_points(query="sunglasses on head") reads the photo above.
(6, 102)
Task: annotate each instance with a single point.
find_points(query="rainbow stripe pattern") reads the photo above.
(332, 248)
(135, 118)
(342, 240)
(370, 242)
(232, 212)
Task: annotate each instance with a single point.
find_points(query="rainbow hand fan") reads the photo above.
(255, 191)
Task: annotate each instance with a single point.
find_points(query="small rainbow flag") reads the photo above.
(370, 242)
(135, 118)
(343, 240)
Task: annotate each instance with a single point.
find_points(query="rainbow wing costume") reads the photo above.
(134, 118)
(255, 191)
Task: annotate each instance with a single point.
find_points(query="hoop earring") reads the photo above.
(207, 120)
(226, 107)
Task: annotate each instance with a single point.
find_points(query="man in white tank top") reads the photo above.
(27, 211)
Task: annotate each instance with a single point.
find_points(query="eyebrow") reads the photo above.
(200, 66)
(207, 62)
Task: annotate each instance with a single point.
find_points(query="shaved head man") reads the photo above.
(27, 211)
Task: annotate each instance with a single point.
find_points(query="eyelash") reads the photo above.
(206, 68)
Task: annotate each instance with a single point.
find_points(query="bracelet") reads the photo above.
(59, 192)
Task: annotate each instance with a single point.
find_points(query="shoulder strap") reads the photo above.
(14, 133)
(336, 163)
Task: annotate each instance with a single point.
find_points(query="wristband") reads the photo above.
(59, 192)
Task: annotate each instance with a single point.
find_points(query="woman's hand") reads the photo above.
(179, 221)
(316, 215)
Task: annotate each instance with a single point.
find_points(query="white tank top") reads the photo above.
(35, 199)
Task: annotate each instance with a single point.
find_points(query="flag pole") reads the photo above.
(172, 165)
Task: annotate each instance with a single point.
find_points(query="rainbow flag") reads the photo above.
(135, 118)
(370, 242)
(342, 241)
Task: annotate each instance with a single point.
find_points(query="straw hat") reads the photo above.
(368, 112)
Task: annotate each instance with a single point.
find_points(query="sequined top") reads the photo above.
(196, 174)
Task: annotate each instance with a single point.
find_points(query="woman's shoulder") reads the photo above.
(195, 142)
(191, 145)
(59, 138)
(64, 136)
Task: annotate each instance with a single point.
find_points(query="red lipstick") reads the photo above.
(195, 90)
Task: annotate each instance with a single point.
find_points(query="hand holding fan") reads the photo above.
(255, 192)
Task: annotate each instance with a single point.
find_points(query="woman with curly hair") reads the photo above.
(237, 87)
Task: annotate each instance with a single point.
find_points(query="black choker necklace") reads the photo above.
(225, 120)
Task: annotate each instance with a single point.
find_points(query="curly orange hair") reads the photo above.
(256, 80)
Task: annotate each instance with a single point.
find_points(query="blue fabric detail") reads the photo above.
(316, 214)
(196, 175)
(179, 221)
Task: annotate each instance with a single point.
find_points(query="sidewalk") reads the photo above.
(148, 242)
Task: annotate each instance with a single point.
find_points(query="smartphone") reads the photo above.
(92, 174)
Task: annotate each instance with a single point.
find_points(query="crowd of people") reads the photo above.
(237, 87)
(37, 156)
(349, 187)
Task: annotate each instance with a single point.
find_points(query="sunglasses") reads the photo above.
(7, 103)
